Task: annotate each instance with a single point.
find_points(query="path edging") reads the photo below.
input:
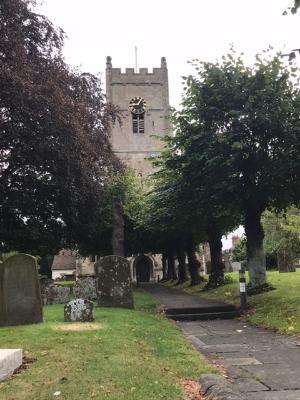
(217, 386)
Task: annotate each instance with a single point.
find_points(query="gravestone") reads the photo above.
(114, 288)
(85, 288)
(20, 298)
(236, 266)
(44, 282)
(56, 294)
(10, 360)
(227, 263)
(79, 310)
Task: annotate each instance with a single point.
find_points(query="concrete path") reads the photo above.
(261, 364)
(173, 298)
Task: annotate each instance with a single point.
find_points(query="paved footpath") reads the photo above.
(261, 364)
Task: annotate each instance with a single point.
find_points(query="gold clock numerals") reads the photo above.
(137, 105)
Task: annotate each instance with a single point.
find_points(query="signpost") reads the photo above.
(243, 294)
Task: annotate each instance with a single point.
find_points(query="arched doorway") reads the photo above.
(144, 269)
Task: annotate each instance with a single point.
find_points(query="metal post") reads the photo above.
(136, 62)
(243, 294)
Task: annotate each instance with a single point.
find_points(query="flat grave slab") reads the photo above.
(246, 385)
(10, 360)
(224, 348)
(240, 361)
(280, 395)
(272, 375)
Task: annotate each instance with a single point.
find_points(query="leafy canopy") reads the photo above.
(55, 154)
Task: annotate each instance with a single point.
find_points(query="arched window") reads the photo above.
(138, 123)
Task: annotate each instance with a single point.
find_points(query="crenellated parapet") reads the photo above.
(143, 75)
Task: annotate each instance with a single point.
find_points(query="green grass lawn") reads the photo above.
(129, 354)
(271, 309)
(69, 284)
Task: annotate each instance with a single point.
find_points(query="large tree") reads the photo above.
(282, 237)
(251, 119)
(205, 205)
(55, 155)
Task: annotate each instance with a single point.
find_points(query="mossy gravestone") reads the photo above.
(114, 287)
(79, 310)
(85, 288)
(20, 298)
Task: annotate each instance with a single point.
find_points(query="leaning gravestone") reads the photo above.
(79, 310)
(20, 298)
(55, 294)
(85, 288)
(114, 288)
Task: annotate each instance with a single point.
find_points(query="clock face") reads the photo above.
(137, 105)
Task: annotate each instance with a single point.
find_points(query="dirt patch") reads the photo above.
(191, 389)
(77, 327)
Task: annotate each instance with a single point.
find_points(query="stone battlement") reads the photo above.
(143, 75)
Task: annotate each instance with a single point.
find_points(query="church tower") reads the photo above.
(143, 98)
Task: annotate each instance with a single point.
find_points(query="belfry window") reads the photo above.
(138, 123)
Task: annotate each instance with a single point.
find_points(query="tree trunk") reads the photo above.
(194, 264)
(164, 266)
(216, 277)
(285, 262)
(256, 259)
(118, 227)
(171, 275)
(182, 275)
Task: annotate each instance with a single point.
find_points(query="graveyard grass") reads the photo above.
(278, 309)
(131, 355)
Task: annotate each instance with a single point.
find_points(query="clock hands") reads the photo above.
(137, 105)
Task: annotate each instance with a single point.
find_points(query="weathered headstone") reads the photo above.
(44, 282)
(85, 288)
(227, 263)
(79, 310)
(20, 298)
(56, 294)
(114, 288)
(236, 266)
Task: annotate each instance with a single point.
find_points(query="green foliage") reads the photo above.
(5, 256)
(294, 8)
(228, 279)
(237, 137)
(239, 253)
(235, 154)
(45, 264)
(132, 189)
(55, 154)
(282, 232)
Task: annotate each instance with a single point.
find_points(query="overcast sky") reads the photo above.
(178, 30)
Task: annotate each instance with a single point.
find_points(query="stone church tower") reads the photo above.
(143, 98)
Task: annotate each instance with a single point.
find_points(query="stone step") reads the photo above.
(201, 310)
(10, 360)
(204, 316)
